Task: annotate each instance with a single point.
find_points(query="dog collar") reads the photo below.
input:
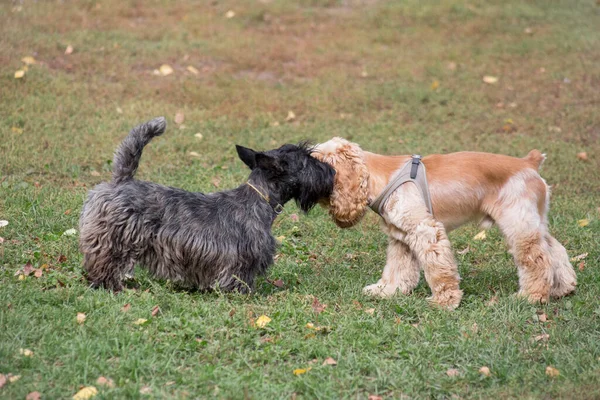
(278, 207)
(410, 172)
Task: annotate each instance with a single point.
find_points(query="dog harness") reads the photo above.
(413, 171)
(278, 208)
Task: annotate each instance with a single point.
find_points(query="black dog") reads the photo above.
(199, 240)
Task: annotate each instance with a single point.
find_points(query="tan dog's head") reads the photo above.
(349, 200)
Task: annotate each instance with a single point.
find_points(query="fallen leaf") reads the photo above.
(370, 311)
(102, 381)
(290, 117)
(85, 393)
(94, 173)
(262, 321)
(230, 14)
(279, 283)
(81, 318)
(3, 380)
(490, 79)
(169, 383)
(38, 273)
(580, 267)
(194, 154)
(216, 181)
(155, 310)
(145, 390)
(3, 223)
(318, 307)
(280, 239)
(452, 372)
(435, 85)
(374, 397)
(552, 372)
(70, 232)
(464, 251)
(484, 371)
(179, 118)
(192, 70)
(17, 130)
(542, 317)
(19, 74)
(13, 378)
(357, 304)
(119, 110)
(28, 60)
(26, 352)
(364, 73)
(579, 257)
(27, 269)
(294, 217)
(126, 307)
(301, 371)
(583, 222)
(21, 277)
(199, 136)
(542, 338)
(33, 396)
(582, 156)
(528, 31)
(69, 50)
(1, 240)
(140, 321)
(165, 70)
(329, 361)
(480, 236)
(451, 66)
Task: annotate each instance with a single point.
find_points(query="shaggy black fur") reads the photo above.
(198, 240)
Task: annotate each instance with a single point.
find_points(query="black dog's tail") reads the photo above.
(128, 154)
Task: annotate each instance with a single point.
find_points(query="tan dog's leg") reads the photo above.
(401, 272)
(565, 279)
(427, 239)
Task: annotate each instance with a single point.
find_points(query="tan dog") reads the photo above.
(464, 187)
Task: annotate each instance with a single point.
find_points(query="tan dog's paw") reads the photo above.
(448, 299)
(380, 290)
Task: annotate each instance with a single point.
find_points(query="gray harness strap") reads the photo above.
(413, 171)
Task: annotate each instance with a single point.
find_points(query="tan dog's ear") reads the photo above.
(349, 199)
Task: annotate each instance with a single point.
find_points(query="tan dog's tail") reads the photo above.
(535, 158)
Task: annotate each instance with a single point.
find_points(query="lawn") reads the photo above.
(397, 78)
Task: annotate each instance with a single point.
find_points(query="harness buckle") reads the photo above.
(416, 160)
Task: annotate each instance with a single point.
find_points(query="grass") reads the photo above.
(365, 70)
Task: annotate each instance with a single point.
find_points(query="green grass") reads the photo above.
(359, 69)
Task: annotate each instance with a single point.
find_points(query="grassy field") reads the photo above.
(396, 77)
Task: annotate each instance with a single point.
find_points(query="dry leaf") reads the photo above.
(140, 321)
(579, 257)
(19, 74)
(374, 397)
(480, 236)
(1, 240)
(435, 85)
(528, 31)
(38, 273)
(194, 154)
(551, 371)
(155, 310)
(464, 251)
(279, 283)
(179, 118)
(262, 321)
(370, 311)
(192, 70)
(86, 393)
(230, 14)
(451, 66)
(70, 232)
(301, 371)
(119, 110)
(145, 390)
(199, 136)
(80, 318)
(582, 156)
(542, 317)
(95, 173)
(452, 372)
(165, 70)
(26, 352)
(583, 222)
(484, 371)
(216, 181)
(580, 267)
(28, 60)
(169, 383)
(21, 277)
(490, 79)
(69, 50)
(33, 396)
(3, 223)
(13, 378)
(356, 304)
(126, 307)
(17, 130)
(364, 73)
(318, 307)
(102, 381)
(3, 380)
(27, 269)
(542, 338)
(280, 239)
(294, 217)
(290, 117)
(329, 361)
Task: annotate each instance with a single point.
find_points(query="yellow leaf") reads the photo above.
(194, 154)
(262, 321)
(579, 257)
(310, 325)
(583, 222)
(17, 130)
(301, 371)
(28, 60)
(140, 321)
(480, 236)
(14, 378)
(484, 371)
(192, 70)
(21, 277)
(80, 318)
(551, 371)
(26, 352)
(291, 116)
(19, 74)
(435, 85)
(69, 50)
(165, 70)
(199, 136)
(86, 393)
(230, 14)
(370, 311)
(490, 79)
(280, 239)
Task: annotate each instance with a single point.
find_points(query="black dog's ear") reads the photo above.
(248, 156)
(269, 163)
